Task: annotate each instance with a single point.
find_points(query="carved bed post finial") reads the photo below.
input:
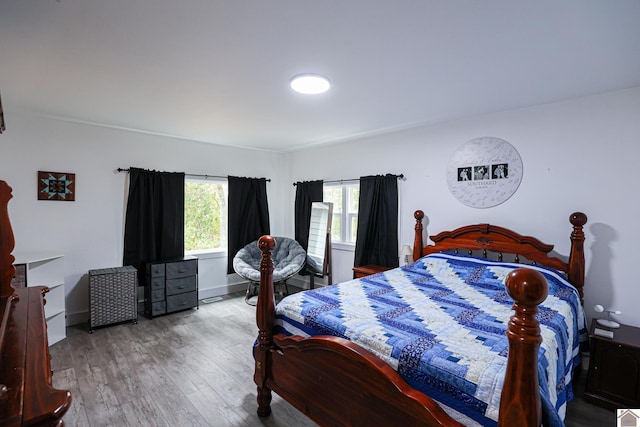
(576, 255)
(417, 240)
(7, 243)
(520, 399)
(265, 317)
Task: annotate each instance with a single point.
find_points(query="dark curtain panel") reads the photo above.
(377, 238)
(248, 214)
(154, 222)
(306, 193)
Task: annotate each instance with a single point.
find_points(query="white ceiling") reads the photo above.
(218, 70)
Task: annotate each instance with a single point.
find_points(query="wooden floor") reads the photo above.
(192, 368)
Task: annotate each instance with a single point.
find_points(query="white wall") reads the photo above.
(90, 230)
(578, 155)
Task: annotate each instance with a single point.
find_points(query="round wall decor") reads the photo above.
(484, 172)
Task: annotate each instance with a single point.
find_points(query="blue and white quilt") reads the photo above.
(440, 322)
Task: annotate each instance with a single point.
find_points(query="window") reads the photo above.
(345, 198)
(205, 214)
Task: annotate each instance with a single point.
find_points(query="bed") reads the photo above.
(313, 350)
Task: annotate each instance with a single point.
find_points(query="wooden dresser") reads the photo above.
(26, 395)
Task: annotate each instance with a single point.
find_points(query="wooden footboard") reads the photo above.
(337, 383)
(331, 380)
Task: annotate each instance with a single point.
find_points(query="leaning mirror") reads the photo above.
(318, 249)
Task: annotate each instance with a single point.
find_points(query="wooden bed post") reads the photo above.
(7, 242)
(520, 399)
(576, 255)
(265, 316)
(417, 240)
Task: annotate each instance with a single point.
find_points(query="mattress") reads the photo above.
(440, 322)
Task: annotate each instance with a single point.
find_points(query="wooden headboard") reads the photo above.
(489, 238)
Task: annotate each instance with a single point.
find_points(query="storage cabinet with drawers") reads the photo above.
(170, 285)
(112, 296)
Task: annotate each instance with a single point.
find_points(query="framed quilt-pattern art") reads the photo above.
(484, 172)
(56, 186)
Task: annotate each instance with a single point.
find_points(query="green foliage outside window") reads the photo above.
(333, 194)
(205, 215)
(345, 199)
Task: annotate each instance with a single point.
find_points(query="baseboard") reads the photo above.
(80, 317)
(301, 282)
(222, 290)
(77, 318)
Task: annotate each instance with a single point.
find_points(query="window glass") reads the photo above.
(335, 228)
(205, 214)
(345, 200)
(353, 229)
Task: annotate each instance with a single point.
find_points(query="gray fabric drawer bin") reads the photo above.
(113, 296)
(170, 285)
(182, 301)
(179, 286)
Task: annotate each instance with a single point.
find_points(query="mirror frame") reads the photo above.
(319, 245)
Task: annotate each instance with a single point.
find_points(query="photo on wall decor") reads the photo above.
(56, 186)
(484, 172)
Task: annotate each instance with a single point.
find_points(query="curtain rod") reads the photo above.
(194, 175)
(341, 181)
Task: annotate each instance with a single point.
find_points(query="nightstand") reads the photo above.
(613, 380)
(366, 270)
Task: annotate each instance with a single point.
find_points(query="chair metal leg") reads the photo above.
(281, 284)
(251, 292)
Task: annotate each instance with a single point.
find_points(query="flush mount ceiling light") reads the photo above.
(310, 84)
